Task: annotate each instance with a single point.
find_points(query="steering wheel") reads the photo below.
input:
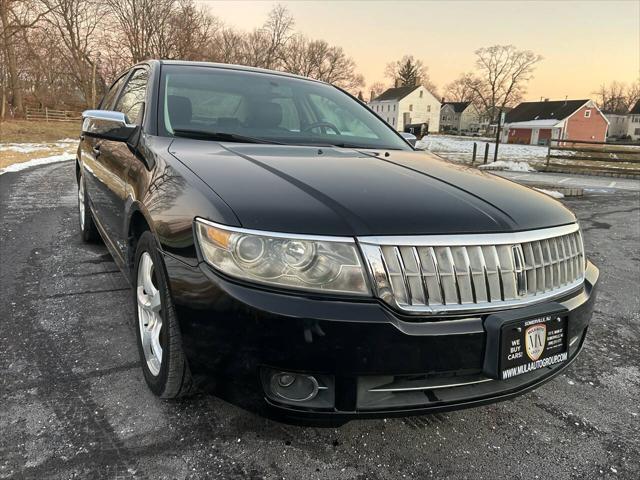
(329, 125)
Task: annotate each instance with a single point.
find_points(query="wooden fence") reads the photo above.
(51, 115)
(594, 157)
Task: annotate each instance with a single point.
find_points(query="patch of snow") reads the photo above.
(460, 148)
(16, 167)
(35, 147)
(23, 147)
(554, 194)
(509, 165)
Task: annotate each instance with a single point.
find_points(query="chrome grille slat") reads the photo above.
(436, 276)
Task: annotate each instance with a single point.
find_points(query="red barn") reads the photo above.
(534, 123)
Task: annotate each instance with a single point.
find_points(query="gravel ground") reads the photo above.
(73, 403)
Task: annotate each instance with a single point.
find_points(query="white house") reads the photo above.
(633, 122)
(618, 124)
(459, 117)
(404, 106)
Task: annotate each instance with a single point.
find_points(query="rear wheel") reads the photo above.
(164, 365)
(88, 228)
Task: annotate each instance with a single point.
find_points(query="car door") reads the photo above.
(91, 163)
(114, 159)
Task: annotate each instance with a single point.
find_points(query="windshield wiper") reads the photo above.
(222, 136)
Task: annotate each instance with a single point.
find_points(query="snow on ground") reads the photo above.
(460, 149)
(36, 147)
(509, 165)
(16, 167)
(551, 193)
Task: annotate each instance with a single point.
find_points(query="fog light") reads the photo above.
(285, 380)
(294, 387)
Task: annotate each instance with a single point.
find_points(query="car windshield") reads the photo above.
(244, 106)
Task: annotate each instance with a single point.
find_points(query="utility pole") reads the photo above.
(495, 151)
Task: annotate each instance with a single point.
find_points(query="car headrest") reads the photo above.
(180, 111)
(265, 115)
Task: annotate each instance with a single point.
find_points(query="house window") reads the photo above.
(636, 119)
(394, 107)
(587, 113)
(637, 132)
(428, 108)
(421, 92)
(393, 121)
(388, 108)
(411, 108)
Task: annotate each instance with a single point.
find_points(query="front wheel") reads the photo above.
(164, 365)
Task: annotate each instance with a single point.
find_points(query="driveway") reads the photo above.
(73, 403)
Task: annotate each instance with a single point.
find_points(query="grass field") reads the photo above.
(22, 141)
(20, 131)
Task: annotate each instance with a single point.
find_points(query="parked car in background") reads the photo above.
(282, 239)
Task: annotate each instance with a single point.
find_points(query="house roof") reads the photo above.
(549, 110)
(458, 107)
(635, 110)
(395, 93)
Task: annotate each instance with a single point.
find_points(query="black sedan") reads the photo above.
(286, 244)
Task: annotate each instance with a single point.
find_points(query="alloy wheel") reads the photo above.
(149, 314)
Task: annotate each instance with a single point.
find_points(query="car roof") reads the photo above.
(231, 66)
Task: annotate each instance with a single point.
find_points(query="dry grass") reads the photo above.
(21, 131)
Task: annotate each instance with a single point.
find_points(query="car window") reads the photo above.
(110, 96)
(267, 106)
(347, 123)
(131, 100)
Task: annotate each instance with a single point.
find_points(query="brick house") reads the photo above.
(535, 123)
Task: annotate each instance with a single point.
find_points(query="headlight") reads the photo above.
(322, 264)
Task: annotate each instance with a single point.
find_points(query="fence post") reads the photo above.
(475, 149)
(549, 151)
(46, 114)
(486, 152)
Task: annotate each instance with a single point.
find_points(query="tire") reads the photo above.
(163, 362)
(88, 230)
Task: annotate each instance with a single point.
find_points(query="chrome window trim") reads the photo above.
(469, 239)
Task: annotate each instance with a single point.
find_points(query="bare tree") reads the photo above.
(16, 17)
(633, 94)
(143, 24)
(409, 72)
(76, 22)
(460, 90)
(617, 97)
(376, 90)
(317, 59)
(501, 77)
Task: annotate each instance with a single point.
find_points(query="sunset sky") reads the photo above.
(584, 43)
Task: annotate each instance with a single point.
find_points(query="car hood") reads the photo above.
(339, 191)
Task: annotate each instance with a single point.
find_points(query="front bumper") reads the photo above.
(237, 333)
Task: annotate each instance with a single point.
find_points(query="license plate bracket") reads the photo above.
(525, 340)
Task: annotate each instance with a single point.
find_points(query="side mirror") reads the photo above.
(107, 124)
(410, 138)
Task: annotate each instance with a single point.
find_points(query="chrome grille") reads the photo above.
(475, 272)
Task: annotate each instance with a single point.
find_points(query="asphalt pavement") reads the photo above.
(73, 402)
